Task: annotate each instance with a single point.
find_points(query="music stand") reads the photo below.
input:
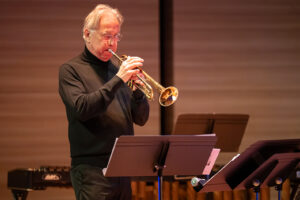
(263, 160)
(223, 125)
(287, 163)
(272, 172)
(160, 156)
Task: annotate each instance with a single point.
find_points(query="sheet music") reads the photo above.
(104, 169)
(234, 157)
(211, 161)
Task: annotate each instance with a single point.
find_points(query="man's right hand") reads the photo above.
(129, 68)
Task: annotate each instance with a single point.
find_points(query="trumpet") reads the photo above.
(167, 96)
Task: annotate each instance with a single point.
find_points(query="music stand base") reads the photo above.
(19, 194)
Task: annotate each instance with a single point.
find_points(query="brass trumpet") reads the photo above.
(167, 96)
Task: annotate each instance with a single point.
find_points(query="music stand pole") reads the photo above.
(256, 188)
(278, 186)
(160, 165)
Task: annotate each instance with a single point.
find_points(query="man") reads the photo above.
(100, 106)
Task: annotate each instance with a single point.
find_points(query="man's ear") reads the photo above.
(87, 35)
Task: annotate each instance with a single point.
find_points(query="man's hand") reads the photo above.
(129, 68)
(136, 79)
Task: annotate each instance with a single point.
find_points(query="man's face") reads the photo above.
(105, 37)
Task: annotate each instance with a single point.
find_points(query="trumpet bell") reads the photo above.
(168, 96)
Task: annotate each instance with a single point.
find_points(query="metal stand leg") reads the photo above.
(295, 194)
(160, 182)
(159, 166)
(256, 188)
(19, 194)
(278, 187)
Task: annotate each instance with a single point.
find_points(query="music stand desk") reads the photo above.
(136, 155)
(225, 126)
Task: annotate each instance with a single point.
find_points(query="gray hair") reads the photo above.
(92, 21)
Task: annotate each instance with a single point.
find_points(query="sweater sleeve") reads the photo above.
(140, 108)
(82, 104)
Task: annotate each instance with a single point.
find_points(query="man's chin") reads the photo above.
(105, 57)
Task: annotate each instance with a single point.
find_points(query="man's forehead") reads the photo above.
(109, 21)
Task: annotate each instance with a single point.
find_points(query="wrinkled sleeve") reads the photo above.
(140, 108)
(82, 104)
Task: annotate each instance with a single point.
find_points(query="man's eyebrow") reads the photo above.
(110, 32)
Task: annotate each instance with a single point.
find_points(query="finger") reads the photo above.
(133, 72)
(134, 77)
(134, 59)
(129, 66)
(139, 82)
(140, 74)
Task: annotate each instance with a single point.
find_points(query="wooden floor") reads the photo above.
(184, 191)
(142, 190)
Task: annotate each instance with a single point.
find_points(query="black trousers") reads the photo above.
(89, 183)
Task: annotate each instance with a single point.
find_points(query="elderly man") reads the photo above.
(100, 106)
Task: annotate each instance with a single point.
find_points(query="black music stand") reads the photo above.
(295, 183)
(272, 172)
(287, 163)
(258, 166)
(160, 156)
(223, 125)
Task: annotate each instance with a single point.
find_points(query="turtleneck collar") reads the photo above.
(89, 57)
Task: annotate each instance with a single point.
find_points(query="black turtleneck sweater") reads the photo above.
(99, 107)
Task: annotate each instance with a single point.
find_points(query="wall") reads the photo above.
(230, 57)
(35, 39)
(240, 57)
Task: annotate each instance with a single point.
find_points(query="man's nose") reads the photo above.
(111, 41)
